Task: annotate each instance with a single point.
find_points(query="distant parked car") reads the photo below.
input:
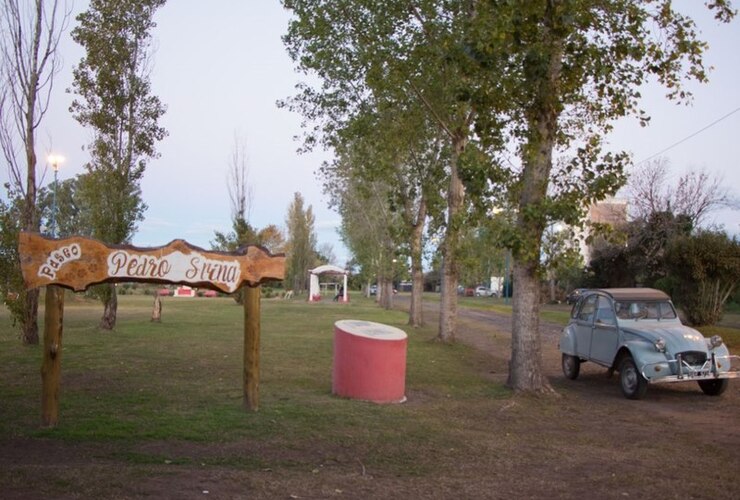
(483, 291)
(373, 289)
(574, 295)
(636, 332)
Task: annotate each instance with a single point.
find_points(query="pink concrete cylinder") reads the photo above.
(369, 361)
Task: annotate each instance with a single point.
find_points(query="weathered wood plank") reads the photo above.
(78, 263)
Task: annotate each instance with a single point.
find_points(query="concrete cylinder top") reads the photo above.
(369, 361)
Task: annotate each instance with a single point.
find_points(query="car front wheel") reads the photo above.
(571, 366)
(714, 387)
(633, 383)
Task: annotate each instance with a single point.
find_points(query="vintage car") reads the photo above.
(636, 332)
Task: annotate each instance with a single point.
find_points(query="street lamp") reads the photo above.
(55, 161)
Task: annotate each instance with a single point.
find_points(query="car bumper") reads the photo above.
(676, 370)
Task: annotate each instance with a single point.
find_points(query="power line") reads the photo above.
(715, 122)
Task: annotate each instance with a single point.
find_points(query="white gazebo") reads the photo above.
(314, 288)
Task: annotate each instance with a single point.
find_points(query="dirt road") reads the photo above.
(668, 407)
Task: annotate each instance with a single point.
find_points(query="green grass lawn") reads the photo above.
(156, 410)
(182, 379)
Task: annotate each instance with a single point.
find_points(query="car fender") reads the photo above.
(568, 341)
(642, 352)
(722, 354)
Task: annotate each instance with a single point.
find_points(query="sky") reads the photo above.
(220, 67)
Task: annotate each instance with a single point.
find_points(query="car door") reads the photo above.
(583, 326)
(605, 337)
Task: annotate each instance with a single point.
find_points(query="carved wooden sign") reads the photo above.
(78, 263)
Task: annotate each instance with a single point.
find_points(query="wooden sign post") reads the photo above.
(252, 330)
(78, 263)
(51, 366)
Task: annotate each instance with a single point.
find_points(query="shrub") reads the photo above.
(704, 270)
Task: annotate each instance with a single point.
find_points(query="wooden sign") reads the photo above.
(78, 263)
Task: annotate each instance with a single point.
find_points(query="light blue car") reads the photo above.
(637, 332)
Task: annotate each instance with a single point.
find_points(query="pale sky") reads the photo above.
(220, 66)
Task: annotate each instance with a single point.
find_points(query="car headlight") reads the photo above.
(715, 341)
(660, 345)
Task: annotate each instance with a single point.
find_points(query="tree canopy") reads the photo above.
(524, 92)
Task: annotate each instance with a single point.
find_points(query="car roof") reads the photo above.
(633, 293)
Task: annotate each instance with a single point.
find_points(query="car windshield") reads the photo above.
(640, 309)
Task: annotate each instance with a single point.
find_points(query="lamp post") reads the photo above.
(53, 321)
(55, 161)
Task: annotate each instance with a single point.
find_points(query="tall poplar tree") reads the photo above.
(301, 254)
(566, 69)
(385, 182)
(116, 103)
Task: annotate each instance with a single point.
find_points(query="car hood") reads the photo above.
(678, 338)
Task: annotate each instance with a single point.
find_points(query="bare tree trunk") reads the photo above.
(416, 318)
(448, 299)
(552, 289)
(386, 295)
(110, 309)
(28, 47)
(29, 321)
(416, 315)
(29, 326)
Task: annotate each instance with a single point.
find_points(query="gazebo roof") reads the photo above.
(328, 269)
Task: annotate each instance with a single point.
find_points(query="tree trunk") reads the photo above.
(448, 299)
(157, 309)
(416, 318)
(553, 296)
(416, 315)
(29, 320)
(110, 308)
(525, 368)
(385, 293)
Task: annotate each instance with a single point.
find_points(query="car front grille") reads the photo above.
(693, 357)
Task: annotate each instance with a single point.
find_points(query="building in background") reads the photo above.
(611, 212)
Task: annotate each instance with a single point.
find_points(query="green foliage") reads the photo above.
(73, 215)
(560, 73)
(640, 257)
(301, 255)
(705, 270)
(112, 81)
(480, 255)
(12, 288)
